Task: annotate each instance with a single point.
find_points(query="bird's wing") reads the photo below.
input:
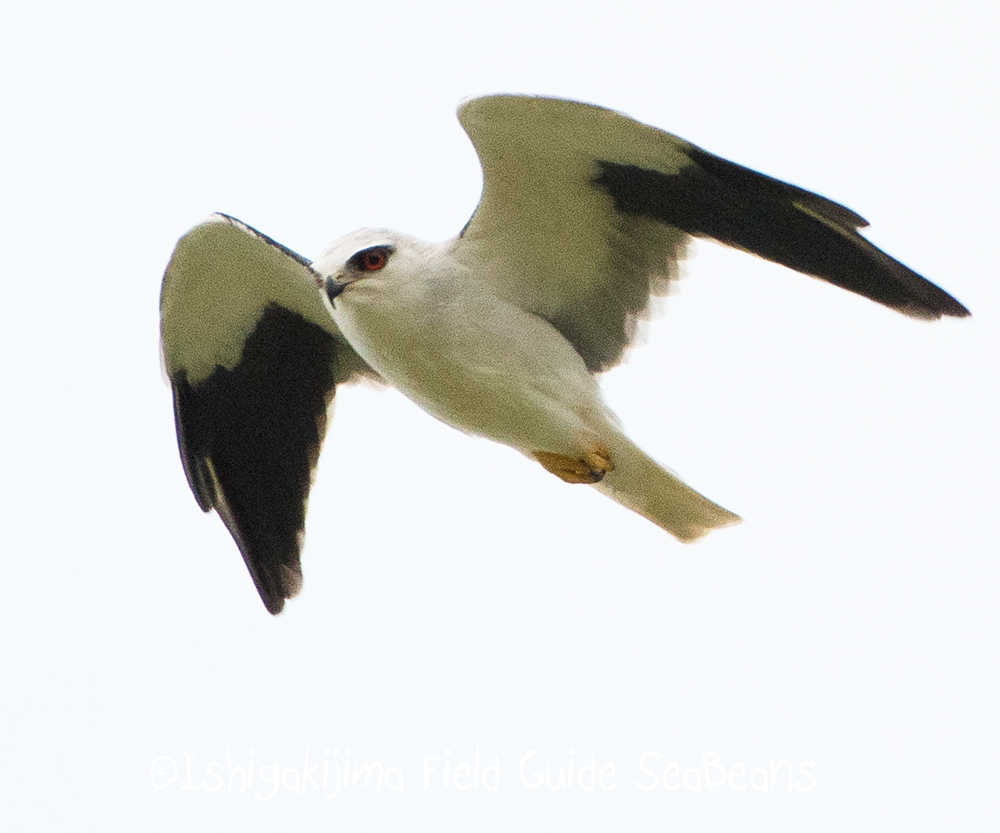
(585, 212)
(253, 358)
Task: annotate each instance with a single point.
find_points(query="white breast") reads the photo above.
(472, 360)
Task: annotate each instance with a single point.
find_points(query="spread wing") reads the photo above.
(253, 359)
(586, 211)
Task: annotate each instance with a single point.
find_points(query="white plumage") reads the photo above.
(498, 332)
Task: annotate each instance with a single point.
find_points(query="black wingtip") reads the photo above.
(776, 221)
(895, 285)
(276, 570)
(250, 439)
(285, 584)
(956, 309)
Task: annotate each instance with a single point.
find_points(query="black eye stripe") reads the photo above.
(357, 260)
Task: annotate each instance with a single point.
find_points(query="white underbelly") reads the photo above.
(478, 364)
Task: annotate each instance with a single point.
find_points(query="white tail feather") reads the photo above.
(644, 486)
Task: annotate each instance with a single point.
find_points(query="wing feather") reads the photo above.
(254, 361)
(585, 213)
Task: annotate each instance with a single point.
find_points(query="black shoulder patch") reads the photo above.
(777, 221)
(303, 261)
(259, 428)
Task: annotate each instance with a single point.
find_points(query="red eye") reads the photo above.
(373, 259)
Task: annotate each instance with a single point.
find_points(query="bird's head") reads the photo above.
(373, 256)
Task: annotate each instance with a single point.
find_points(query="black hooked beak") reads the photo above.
(334, 288)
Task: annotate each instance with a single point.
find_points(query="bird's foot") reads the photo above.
(590, 468)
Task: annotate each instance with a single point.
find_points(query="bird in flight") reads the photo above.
(499, 332)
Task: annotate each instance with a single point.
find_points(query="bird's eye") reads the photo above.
(373, 259)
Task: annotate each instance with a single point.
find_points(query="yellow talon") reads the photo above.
(590, 468)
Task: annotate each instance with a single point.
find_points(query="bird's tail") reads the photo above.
(644, 486)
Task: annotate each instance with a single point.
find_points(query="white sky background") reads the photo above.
(455, 595)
